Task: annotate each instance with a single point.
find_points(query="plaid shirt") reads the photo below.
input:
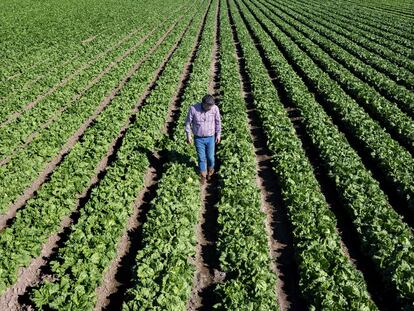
(203, 123)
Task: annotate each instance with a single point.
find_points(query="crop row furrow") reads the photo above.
(74, 44)
(20, 131)
(359, 43)
(242, 239)
(35, 79)
(164, 272)
(14, 107)
(380, 82)
(77, 136)
(368, 23)
(206, 259)
(76, 80)
(383, 10)
(388, 23)
(367, 32)
(31, 124)
(383, 235)
(19, 98)
(26, 54)
(64, 53)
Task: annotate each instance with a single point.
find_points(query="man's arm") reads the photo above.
(188, 122)
(218, 125)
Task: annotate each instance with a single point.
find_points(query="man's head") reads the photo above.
(207, 102)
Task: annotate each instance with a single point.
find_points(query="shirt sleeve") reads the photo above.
(218, 122)
(188, 121)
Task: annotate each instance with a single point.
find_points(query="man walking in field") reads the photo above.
(205, 122)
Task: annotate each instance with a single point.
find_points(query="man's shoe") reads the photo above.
(210, 173)
(203, 177)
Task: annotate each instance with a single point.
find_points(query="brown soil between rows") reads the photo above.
(27, 86)
(396, 199)
(90, 39)
(391, 130)
(277, 223)
(110, 284)
(76, 97)
(33, 275)
(87, 40)
(175, 104)
(17, 74)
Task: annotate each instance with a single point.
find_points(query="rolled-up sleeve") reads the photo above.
(218, 122)
(188, 122)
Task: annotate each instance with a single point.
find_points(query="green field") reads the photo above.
(312, 204)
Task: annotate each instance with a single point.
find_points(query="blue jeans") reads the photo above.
(205, 152)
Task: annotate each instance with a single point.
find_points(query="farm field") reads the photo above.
(312, 203)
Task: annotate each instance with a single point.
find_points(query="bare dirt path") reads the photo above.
(206, 259)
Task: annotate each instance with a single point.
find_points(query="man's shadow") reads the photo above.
(164, 156)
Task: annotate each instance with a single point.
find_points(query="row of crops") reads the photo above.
(97, 180)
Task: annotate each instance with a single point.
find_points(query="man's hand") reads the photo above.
(189, 140)
(218, 139)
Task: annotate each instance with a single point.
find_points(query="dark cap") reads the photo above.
(208, 100)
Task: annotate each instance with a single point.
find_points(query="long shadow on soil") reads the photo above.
(209, 228)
